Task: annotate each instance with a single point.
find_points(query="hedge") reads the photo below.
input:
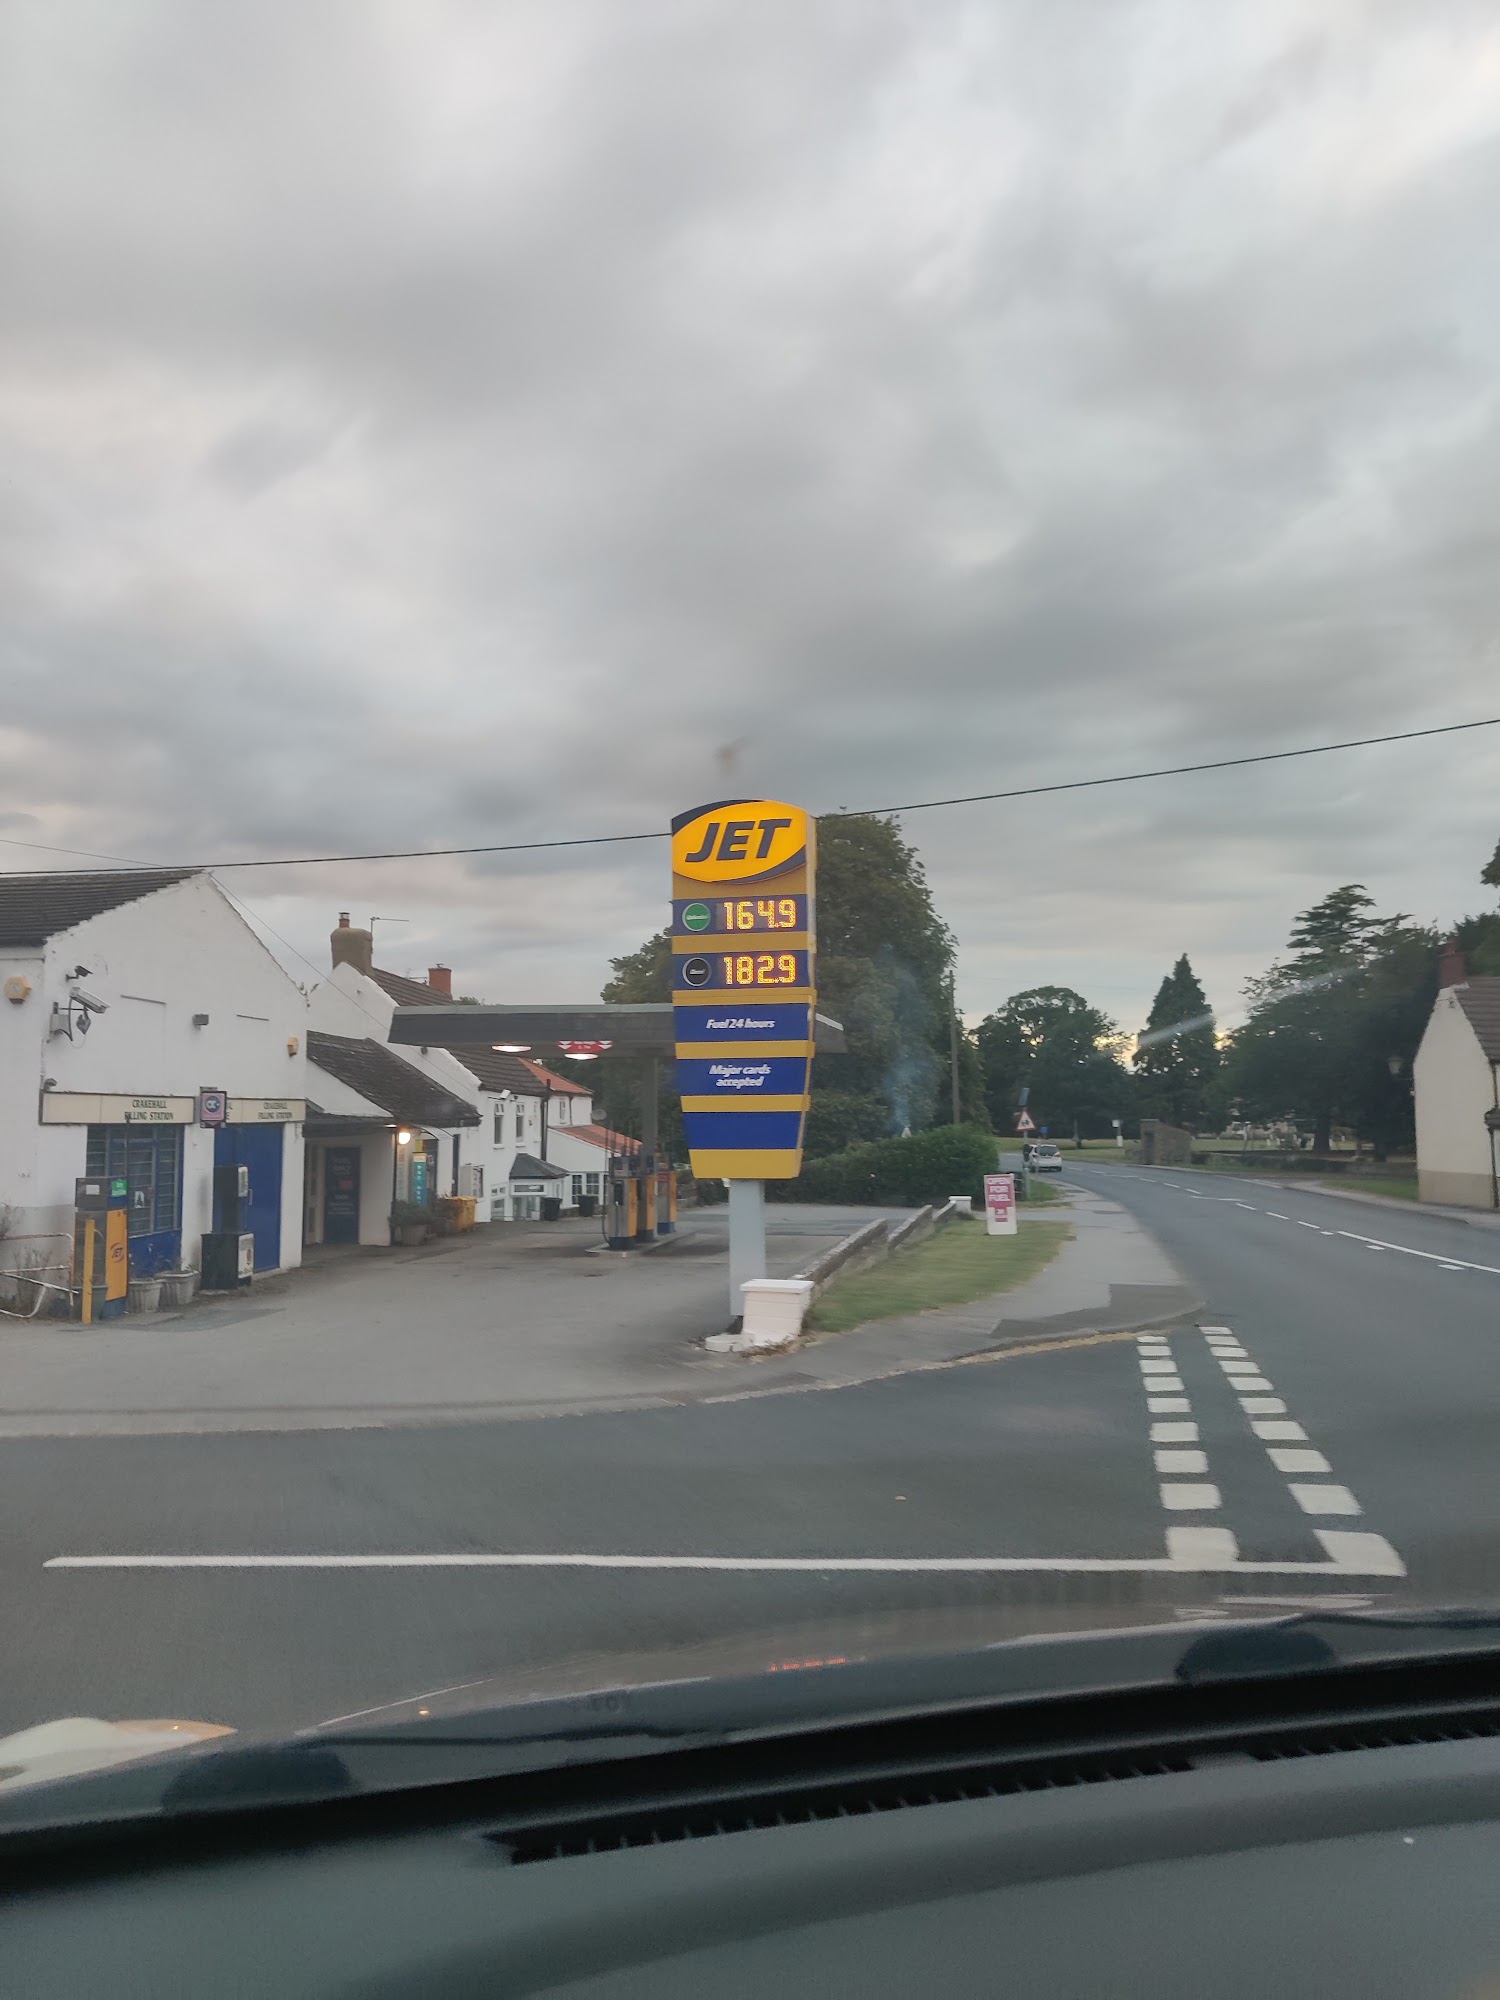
(928, 1166)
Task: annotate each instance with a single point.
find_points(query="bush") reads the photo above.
(929, 1166)
(407, 1214)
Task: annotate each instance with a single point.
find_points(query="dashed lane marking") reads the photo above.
(1263, 1406)
(1165, 1406)
(1428, 1256)
(1294, 1458)
(1319, 1499)
(1274, 1430)
(1170, 1433)
(1185, 1497)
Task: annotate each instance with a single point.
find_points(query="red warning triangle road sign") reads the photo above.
(1025, 1122)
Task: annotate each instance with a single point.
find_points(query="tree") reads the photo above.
(1333, 1029)
(1490, 873)
(1177, 1056)
(1050, 1041)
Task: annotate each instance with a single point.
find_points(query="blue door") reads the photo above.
(258, 1147)
(341, 1194)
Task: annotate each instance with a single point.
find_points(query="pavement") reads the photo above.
(1321, 1428)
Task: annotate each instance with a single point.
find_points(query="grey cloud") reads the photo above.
(441, 425)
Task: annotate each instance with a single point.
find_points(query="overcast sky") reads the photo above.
(428, 422)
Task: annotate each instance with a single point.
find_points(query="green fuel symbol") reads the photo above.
(697, 917)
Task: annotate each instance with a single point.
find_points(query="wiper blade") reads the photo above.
(1322, 1639)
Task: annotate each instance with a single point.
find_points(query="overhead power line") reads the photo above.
(863, 812)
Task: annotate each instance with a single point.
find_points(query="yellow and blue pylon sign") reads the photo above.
(743, 984)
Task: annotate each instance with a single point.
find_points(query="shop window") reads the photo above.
(148, 1158)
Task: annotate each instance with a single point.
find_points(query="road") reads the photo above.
(270, 1579)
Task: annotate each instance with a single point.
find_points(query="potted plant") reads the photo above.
(409, 1223)
(144, 1294)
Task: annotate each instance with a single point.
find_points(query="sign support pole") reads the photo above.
(747, 1240)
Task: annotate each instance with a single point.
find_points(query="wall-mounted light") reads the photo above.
(511, 1048)
(200, 1020)
(403, 1138)
(293, 1043)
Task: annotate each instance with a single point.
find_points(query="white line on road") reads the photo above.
(1263, 1406)
(1310, 1225)
(1174, 1433)
(1173, 1459)
(1296, 1458)
(1167, 1406)
(1277, 1216)
(1430, 1256)
(1183, 1496)
(1273, 1430)
(1257, 1382)
(1365, 1562)
(1315, 1498)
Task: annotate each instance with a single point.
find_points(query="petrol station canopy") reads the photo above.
(643, 1029)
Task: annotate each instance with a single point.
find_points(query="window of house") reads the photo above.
(499, 1128)
(520, 1122)
(593, 1181)
(148, 1158)
(577, 1186)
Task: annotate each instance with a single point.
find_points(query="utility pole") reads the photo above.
(953, 1045)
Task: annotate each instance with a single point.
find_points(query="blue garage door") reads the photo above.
(258, 1147)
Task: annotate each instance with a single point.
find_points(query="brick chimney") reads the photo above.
(1453, 967)
(351, 946)
(440, 979)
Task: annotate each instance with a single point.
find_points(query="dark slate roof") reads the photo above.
(407, 992)
(1480, 1000)
(34, 908)
(527, 1167)
(381, 1076)
(496, 1070)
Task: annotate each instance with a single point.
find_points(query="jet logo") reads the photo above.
(740, 840)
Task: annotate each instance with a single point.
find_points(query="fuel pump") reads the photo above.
(621, 1202)
(101, 1254)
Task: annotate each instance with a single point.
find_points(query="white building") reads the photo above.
(125, 993)
(1456, 1085)
(384, 1126)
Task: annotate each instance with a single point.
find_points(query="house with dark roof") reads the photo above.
(518, 1147)
(1456, 1086)
(124, 994)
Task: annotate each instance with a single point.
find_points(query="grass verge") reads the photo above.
(961, 1262)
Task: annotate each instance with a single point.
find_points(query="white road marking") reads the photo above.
(1276, 1430)
(1257, 1382)
(1185, 1497)
(1153, 1343)
(1319, 1499)
(1295, 1458)
(1450, 1267)
(1225, 1332)
(1157, 1364)
(1203, 1548)
(1164, 1385)
(1310, 1225)
(1174, 1433)
(1263, 1406)
(1371, 1554)
(1357, 1563)
(1167, 1406)
(1277, 1216)
(1233, 1365)
(1185, 1461)
(1429, 1256)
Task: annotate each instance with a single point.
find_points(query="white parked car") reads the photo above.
(1045, 1158)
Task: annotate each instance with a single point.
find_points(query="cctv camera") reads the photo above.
(86, 999)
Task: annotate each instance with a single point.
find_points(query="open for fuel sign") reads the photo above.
(743, 984)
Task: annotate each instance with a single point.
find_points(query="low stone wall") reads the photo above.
(868, 1245)
(1164, 1145)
